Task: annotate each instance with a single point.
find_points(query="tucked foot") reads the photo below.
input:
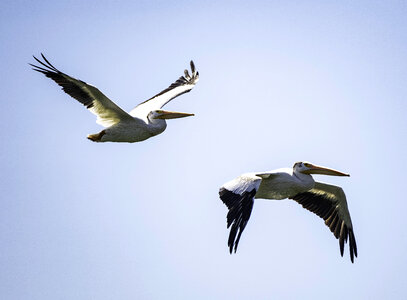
(97, 136)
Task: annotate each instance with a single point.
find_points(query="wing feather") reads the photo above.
(107, 112)
(182, 85)
(329, 203)
(238, 196)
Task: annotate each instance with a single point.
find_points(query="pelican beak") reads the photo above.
(322, 170)
(172, 115)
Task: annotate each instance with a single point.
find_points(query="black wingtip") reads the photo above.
(193, 70)
(46, 64)
(228, 198)
(352, 246)
(186, 74)
(342, 246)
(240, 207)
(46, 60)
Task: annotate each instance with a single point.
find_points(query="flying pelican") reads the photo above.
(325, 200)
(146, 120)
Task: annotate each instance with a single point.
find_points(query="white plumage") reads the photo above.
(327, 201)
(144, 121)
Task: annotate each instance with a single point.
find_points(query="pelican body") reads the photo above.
(136, 129)
(146, 120)
(326, 201)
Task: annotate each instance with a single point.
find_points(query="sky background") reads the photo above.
(280, 82)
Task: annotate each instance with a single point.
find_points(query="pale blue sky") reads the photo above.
(323, 81)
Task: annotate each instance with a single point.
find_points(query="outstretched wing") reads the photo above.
(107, 112)
(329, 202)
(183, 85)
(238, 196)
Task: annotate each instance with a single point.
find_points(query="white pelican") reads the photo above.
(325, 200)
(144, 121)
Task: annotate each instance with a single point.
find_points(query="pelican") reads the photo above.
(146, 120)
(325, 200)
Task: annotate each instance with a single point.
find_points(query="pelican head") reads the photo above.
(163, 114)
(308, 168)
